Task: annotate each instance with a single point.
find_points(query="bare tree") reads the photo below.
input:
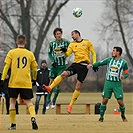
(30, 17)
(117, 24)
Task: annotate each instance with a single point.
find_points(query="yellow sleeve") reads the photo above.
(34, 72)
(93, 56)
(8, 59)
(34, 67)
(5, 70)
(91, 48)
(33, 61)
(69, 51)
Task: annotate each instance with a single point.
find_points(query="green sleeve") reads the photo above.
(126, 75)
(125, 68)
(102, 63)
(51, 57)
(50, 50)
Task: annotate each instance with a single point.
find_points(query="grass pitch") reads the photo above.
(70, 124)
(77, 122)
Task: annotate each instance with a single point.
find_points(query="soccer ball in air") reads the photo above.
(77, 12)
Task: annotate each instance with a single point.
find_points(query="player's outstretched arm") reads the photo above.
(101, 63)
(93, 56)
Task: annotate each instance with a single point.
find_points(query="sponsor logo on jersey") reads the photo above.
(114, 68)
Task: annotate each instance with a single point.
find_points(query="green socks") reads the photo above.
(122, 109)
(102, 110)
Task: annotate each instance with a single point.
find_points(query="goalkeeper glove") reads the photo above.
(95, 69)
(63, 49)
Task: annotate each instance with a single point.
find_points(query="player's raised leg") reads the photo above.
(56, 81)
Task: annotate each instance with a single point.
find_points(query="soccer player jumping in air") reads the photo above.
(81, 49)
(20, 60)
(115, 66)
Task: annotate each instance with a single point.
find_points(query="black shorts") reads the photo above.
(24, 93)
(79, 69)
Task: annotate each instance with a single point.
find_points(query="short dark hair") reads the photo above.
(44, 61)
(57, 29)
(76, 31)
(21, 39)
(118, 49)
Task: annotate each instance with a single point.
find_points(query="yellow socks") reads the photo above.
(12, 115)
(31, 111)
(56, 81)
(74, 97)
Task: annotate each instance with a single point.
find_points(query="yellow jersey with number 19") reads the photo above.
(20, 61)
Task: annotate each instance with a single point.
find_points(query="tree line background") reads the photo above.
(36, 19)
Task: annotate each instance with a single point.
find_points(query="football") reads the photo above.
(77, 12)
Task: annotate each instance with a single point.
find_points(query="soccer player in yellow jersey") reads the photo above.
(81, 49)
(20, 60)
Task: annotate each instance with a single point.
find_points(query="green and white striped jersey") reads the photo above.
(58, 56)
(115, 68)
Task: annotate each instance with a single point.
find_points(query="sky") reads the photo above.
(92, 11)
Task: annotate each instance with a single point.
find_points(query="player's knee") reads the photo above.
(64, 74)
(78, 87)
(120, 102)
(28, 102)
(105, 100)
